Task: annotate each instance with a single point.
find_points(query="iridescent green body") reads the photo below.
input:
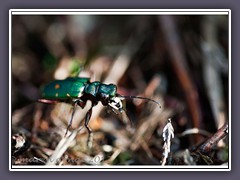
(96, 88)
(76, 87)
(71, 87)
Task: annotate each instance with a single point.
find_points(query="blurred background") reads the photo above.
(180, 61)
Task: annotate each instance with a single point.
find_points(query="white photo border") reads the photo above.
(118, 12)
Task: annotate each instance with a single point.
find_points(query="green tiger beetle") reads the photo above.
(78, 90)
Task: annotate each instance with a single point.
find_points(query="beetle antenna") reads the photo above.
(138, 97)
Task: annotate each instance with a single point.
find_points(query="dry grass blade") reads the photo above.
(62, 147)
(168, 134)
(195, 131)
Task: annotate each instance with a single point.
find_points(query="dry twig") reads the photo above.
(212, 141)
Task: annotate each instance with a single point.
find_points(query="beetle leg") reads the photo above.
(81, 103)
(70, 121)
(90, 135)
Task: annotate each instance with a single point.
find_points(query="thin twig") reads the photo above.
(212, 141)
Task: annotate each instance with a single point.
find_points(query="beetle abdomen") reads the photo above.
(64, 89)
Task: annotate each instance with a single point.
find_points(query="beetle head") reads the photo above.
(116, 103)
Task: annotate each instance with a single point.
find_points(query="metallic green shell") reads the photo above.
(96, 87)
(71, 87)
(92, 88)
(110, 89)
